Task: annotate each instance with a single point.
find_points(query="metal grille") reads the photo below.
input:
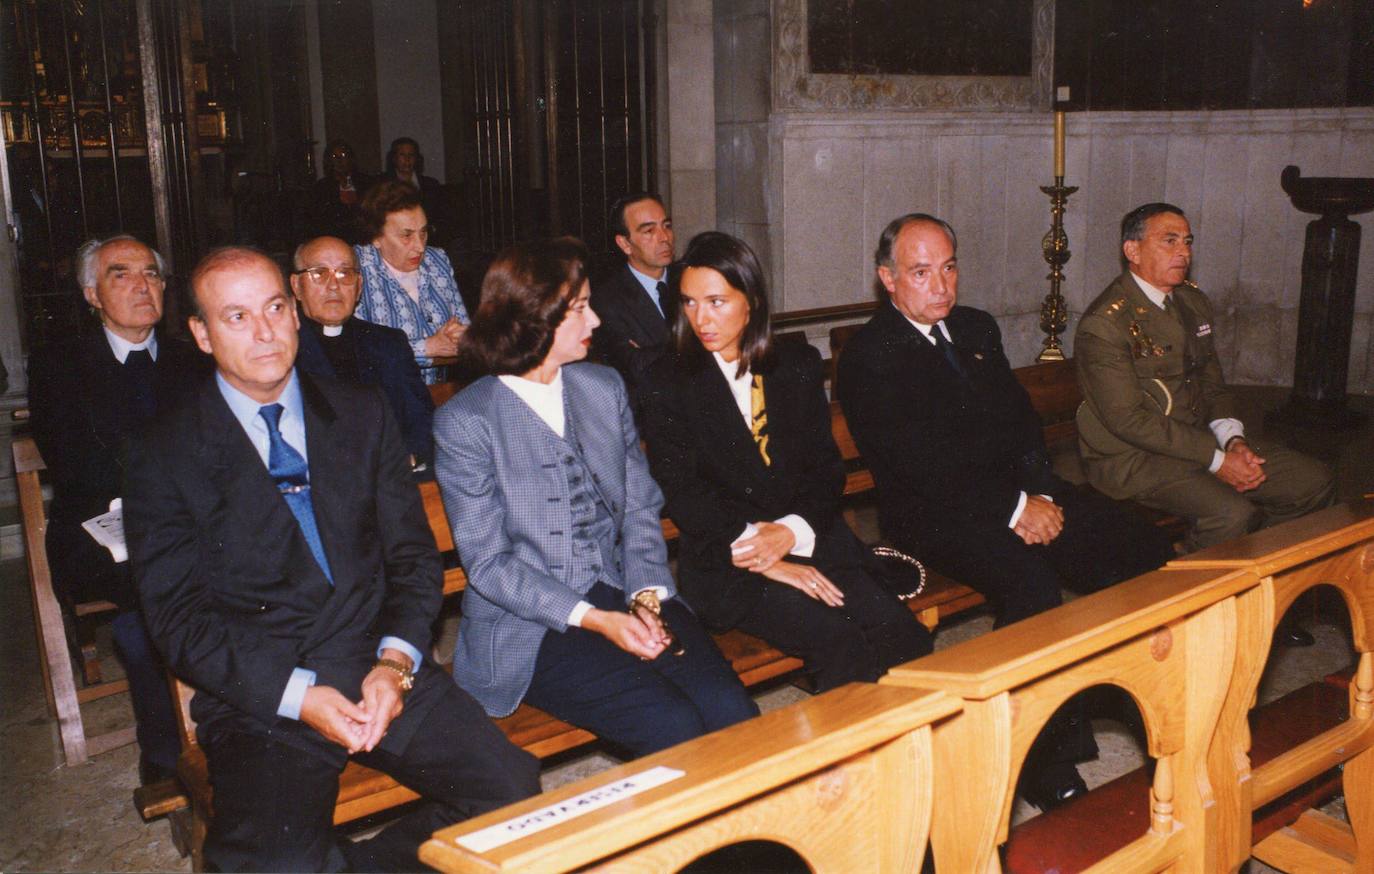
(75, 143)
(559, 103)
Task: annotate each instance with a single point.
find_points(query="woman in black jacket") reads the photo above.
(738, 432)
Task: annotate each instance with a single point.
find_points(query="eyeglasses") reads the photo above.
(322, 274)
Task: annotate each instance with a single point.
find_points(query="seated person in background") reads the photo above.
(959, 460)
(556, 517)
(407, 284)
(404, 163)
(738, 431)
(288, 573)
(1158, 424)
(637, 303)
(335, 198)
(87, 396)
(333, 342)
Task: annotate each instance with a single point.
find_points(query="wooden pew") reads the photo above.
(1334, 547)
(1167, 638)
(844, 779)
(64, 699)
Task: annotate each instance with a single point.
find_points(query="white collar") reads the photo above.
(1157, 296)
(121, 347)
(545, 399)
(332, 330)
(926, 329)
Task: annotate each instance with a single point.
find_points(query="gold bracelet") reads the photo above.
(648, 599)
(407, 677)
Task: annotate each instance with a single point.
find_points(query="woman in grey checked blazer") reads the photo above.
(570, 605)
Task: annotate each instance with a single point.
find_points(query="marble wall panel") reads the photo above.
(752, 67)
(1265, 223)
(960, 176)
(1104, 204)
(723, 41)
(694, 203)
(900, 176)
(823, 183)
(725, 172)
(1022, 338)
(1184, 177)
(1148, 169)
(756, 236)
(749, 161)
(1219, 228)
(1357, 159)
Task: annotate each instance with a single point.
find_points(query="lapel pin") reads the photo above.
(978, 355)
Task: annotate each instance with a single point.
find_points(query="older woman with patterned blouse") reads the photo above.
(407, 284)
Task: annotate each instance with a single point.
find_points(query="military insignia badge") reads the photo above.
(1142, 345)
(1204, 329)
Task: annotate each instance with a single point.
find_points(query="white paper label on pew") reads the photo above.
(548, 817)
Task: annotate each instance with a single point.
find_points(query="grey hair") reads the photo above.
(882, 256)
(1133, 223)
(87, 274)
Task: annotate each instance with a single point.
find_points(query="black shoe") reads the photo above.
(150, 772)
(1289, 634)
(1053, 785)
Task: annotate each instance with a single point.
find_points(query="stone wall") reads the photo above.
(835, 178)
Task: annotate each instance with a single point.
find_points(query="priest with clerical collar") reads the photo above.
(326, 282)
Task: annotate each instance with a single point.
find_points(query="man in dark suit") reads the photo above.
(288, 573)
(637, 303)
(334, 343)
(87, 395)
(956, 450)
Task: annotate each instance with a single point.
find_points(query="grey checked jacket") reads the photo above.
(506, 495)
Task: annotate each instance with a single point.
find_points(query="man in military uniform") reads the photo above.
(1158, 424)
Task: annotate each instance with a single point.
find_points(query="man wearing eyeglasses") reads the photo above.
(326, 282)
(89, 394)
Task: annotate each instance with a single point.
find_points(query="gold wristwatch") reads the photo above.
(407, 676)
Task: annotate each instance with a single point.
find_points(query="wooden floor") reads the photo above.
(81, 819)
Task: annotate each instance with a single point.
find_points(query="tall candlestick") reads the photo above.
(1059, 145)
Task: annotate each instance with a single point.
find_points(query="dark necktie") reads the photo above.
(138, 374)
(947, 348)
(292, 474)
(662, 289)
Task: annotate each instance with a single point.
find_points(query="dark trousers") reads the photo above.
(274, 803)
(1100, 544)
(644, 706)
(858, 641)
(159, 740)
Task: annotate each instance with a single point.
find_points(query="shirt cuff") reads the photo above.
(801, 530)
(1218, 457)
(1020, 508)
(1226, 429)
(418, 347)
(294, 696)
(750, 529)
(389, 642)
(575, 617)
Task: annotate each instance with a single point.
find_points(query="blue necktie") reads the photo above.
(292, 474)
(948, 349)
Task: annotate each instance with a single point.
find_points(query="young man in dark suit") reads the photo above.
(963, 477)
(334, 343)
(637, 302)
(288, 573)
(87, 395)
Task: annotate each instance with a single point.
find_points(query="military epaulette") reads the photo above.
(1191, 284)
(1115, 307)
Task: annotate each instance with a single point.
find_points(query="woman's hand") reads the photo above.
(454, 330)
(806, 580)
(767, 547)
(441, 344)
(637, 635)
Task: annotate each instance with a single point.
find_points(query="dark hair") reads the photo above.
(617, 222)
(1133, 223)
(220, 259)
(381, 200)
(525, 295)
(391, 155)
(882, 256)
(736, 263)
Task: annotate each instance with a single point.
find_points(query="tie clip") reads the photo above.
(292, 489)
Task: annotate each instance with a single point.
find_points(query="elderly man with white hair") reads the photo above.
(88, 394)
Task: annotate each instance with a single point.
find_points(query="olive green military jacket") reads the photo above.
(1151, 384)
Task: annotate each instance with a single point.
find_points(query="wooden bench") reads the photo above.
(1268, 765)
(843, 779)
(54, 651)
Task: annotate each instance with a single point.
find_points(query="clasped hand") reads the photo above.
(1241, 468)
(360, 726)
(640, 633)
(765, 548)
(443, 343)
(1040, 522)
